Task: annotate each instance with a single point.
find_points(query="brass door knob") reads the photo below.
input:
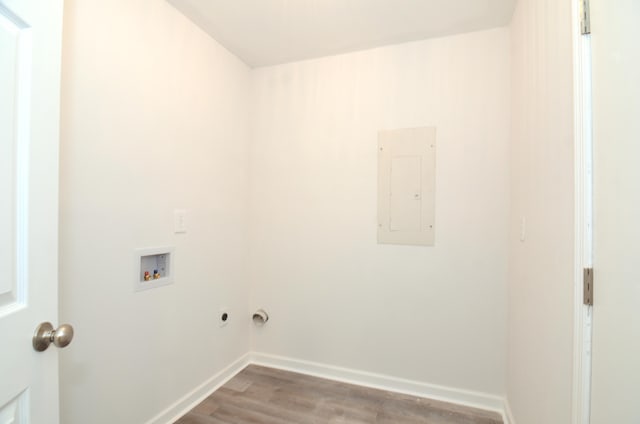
(45, 335)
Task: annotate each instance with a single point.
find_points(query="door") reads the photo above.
(30, 53)
(615, 37)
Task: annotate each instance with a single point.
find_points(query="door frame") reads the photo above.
(583, 216)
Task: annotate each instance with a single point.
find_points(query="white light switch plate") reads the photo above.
(179, 221)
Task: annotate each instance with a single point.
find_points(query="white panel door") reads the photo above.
(615, 33)
(30, 44)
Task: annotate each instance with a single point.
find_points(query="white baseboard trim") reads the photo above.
(469, 398)
(200, 393)
(507, 415)
(457, 396)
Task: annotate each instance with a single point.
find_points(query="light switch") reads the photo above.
(179, 221)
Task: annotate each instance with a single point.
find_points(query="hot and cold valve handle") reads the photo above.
(45, 335)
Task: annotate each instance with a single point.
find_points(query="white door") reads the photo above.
(615, 35)
(30, 53)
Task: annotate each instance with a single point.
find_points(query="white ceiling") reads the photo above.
(269, 32)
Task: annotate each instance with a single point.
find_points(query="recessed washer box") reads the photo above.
(158, 263)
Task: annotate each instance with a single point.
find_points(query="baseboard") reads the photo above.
(507, 415)
(197, 395)
(457, 396)
(469, 398)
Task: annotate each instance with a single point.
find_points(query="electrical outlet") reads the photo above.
(223, 317)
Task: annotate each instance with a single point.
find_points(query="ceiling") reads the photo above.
(269, 32)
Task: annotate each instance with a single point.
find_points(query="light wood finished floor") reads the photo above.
(259, 395)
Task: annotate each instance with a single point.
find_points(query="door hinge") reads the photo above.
(585, 17)
(588, 286)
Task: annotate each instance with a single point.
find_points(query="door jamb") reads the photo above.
(583, 169)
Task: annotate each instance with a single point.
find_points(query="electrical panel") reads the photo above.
(406, 186)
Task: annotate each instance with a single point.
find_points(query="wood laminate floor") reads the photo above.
(259, 395)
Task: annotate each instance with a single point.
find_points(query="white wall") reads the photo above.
(542, 190)
(154, 117)
(431, 314)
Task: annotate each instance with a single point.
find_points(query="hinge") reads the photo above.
(588, 286)
(585, 17)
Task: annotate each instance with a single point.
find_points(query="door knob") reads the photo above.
(45, 335)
